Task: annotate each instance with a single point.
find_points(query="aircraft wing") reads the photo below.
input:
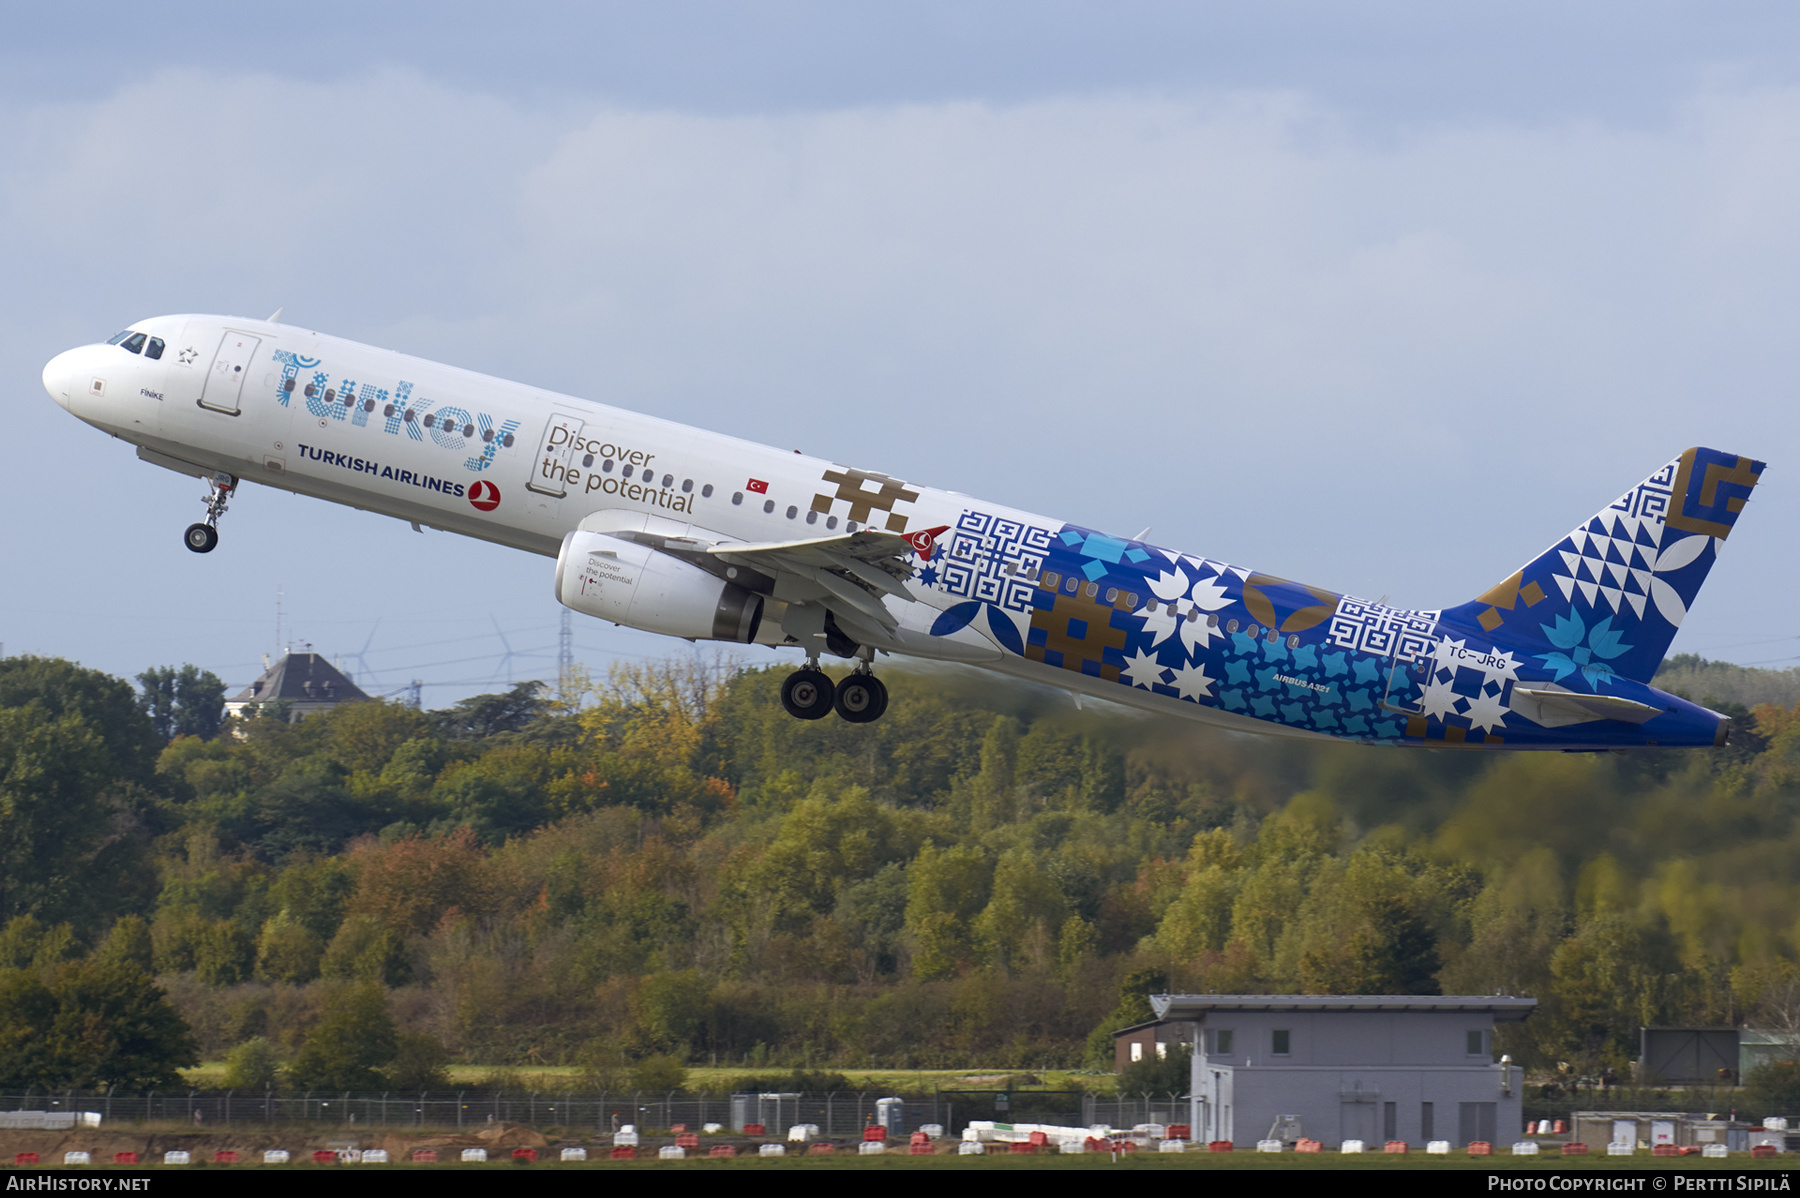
(855, 569)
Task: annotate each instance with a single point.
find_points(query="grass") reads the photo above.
(551, 1079)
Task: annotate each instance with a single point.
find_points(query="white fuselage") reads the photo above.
(524, 467)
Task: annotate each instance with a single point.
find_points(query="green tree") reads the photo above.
(419, 1063)
(1171, 1073)
(184, 702)
(354, 1040)
(67, 849)
(252, 1065)
(114, 1027)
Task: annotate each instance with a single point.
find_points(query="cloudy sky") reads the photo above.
(1385, 297)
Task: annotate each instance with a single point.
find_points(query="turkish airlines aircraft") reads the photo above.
(691, 534)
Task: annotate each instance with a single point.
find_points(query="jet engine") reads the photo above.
(636, 585)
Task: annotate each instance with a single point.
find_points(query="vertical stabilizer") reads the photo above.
(1608, 598)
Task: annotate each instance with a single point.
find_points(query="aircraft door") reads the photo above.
(1406, 685)
(225, 381)
(550, 469)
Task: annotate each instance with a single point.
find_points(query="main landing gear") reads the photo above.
(808, 694)
(202, 538)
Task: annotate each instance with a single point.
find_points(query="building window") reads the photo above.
(1279, 1042)
(1137, 1050)
(1222, 1042)
(1476, 1043)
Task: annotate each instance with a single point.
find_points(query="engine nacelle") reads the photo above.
(641, 587)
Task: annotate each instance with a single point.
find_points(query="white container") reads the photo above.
(574, 1154)
(934, 1130)
(176, 1157)
(871, 1148)
(1438, 1148)
(1268, 1145)
(1351, 1146)
(275, 1156)
(627, 1138)
(374, 1156)
(772, 1150)
(1172, 1146)
(75, 1158)
(1714, 1150)
(474, 1156)
(1525, 1148)
(671, 1152)
(1620, 1150)
(970, 1148)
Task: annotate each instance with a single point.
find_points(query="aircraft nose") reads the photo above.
(57, 373)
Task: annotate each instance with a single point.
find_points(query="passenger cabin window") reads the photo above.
(737, 498)
(155, 348)
(831, 522)
(687, 486)
(626, 471)
(792, 511)
(768, 506)
(606, 466)
(706, 491)
(668, 480)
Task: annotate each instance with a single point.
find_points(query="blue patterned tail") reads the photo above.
(1608, 598)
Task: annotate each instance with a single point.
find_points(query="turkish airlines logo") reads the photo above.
(757, 485)
(484, 496)
(924, 542)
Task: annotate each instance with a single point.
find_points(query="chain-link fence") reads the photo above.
(842, 1113)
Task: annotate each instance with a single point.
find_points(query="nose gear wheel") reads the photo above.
(203, 537)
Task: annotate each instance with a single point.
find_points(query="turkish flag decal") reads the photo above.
(757, 485)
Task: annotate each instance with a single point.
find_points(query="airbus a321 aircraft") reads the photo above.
(692, 534)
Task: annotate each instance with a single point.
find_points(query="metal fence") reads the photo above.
(843, 1113)
(840, 1113)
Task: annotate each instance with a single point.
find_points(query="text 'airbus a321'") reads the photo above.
(692, 534)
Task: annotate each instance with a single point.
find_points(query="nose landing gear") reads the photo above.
(202, 538)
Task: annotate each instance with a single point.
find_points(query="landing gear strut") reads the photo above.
(201, 538)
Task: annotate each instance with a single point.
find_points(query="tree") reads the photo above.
(184, 702)
(419, 1063)
(66, 848)
(1170, 1073)
(114, 1027)
(252, 1065)
(489, 715)
(355, 1038)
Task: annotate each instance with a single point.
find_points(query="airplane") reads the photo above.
(693, 534)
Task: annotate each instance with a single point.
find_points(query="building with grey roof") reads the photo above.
(304, 682)
(1373, 1068)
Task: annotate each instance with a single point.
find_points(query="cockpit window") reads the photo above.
(119, 338)
(133, 343)
(154, 349)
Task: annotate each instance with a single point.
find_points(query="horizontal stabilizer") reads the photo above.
(1553, 707)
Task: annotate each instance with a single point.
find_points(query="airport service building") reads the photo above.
(1349, 1067)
